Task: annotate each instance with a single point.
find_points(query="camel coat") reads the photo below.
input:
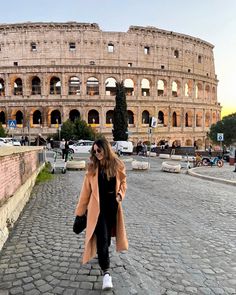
(89, 200)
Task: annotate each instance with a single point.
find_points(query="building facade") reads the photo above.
(51, 72)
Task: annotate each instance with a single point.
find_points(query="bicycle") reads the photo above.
(215, 161)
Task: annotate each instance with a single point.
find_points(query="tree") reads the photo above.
(83, 131)
(2, 131)
(120, 117)
(227, 126)
(68, 130)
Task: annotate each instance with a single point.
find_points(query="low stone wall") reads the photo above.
(19, 167)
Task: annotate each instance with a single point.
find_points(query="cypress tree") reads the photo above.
(120, 117)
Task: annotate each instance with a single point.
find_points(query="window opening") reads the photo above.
(72, 46)
(130, 64)
(176, 54)
(146, 50)
(33, 46)
(110, 48)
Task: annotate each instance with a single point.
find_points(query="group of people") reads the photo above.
(141, 148)
(24, 140)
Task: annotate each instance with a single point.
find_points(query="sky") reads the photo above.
(213, 21)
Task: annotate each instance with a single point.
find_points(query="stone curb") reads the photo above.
(216, 179)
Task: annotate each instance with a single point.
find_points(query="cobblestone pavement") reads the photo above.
(181, 229)
(225, 174)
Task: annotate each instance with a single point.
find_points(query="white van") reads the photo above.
(123, 147)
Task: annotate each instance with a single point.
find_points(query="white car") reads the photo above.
(5, 142)
(13, 141)
(82, 146)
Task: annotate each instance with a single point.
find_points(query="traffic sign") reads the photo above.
(12, 124)
(220, 136)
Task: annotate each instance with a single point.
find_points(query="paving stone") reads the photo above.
(181, 239)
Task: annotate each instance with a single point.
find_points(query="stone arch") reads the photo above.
(199, 143)
(2, 117)
(199, 90)
(109, 116)
(18, 87)
(92, 86)
(175, 88)
(37, 117)
(199, 119)
(145, 87)
(207, 119)
(176, 53)
(130, 117)
(2, 87)
(213, 92)
(35, 86)
(188, 89)
(161, 87)
(74, 85)
(55, 117)
(129, 87)
(19, 117)
(110, 86)
(93, 117)
(145, 117)
(213, 118)
(188, 119)
(55, 86)
(175, 119)
(188, 142)
(74, 114)
(207, 91)
(161, 117)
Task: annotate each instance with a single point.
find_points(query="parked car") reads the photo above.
(82, 146)
(13, 141)
(5, 142)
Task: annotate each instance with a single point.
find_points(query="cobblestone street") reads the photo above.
(181, 229)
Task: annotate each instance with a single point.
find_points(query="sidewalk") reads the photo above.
(224, 174)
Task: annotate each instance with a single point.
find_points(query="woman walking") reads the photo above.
(102, 191)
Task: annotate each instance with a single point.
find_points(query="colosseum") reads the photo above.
(51, 72)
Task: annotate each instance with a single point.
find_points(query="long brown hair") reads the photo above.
(110, 162)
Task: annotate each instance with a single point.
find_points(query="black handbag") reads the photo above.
(80, 223)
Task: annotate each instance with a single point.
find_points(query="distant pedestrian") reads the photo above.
(102, 191)
(210, 150)
(26, 140)
(62, 147)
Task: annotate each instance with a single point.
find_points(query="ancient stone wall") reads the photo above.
(54, 71)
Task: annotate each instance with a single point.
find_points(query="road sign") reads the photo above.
(12, 124)
(153, 122)
(220, 136)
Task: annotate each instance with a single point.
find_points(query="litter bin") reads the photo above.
(232, 156)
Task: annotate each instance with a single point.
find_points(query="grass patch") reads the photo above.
(45, 174)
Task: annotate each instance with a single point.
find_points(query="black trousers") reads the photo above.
(103, 235)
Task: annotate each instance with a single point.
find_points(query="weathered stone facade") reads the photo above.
(54, 71)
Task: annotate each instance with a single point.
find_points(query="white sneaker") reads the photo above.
(107, 282)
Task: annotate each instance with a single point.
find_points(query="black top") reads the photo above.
(107, 196)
